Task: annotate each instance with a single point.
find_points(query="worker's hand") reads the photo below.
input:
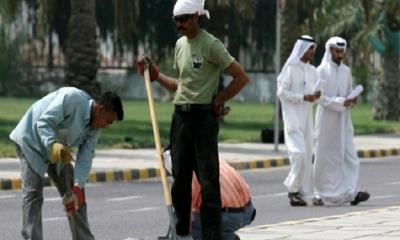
(153, 69)
(220, 111)
(74, 200)
(60, 153)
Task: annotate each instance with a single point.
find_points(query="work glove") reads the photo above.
(153, 69)
(60, 153)
(74, 200)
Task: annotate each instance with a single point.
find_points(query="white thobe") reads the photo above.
(336, 165)
(296, 81)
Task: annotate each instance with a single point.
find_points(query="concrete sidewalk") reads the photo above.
(377, 224)
(125, 165)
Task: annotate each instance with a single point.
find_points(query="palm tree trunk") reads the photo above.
(290, 28)
(216, 25)
(50, 56)
(60, 22)
(81, 55)
(387, 105)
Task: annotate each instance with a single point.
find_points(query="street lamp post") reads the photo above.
(279, 6)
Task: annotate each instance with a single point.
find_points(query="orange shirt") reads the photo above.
(235, 192)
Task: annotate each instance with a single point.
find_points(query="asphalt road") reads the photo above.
(136, 210)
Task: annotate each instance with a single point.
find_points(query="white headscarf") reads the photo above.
(335, 42)
(301, 46)
(190, 7)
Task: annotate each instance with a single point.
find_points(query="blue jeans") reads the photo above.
(32, 201)
(231, 222)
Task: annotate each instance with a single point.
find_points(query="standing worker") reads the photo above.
(336, 167)
(37, 139)
(199, 59)
(295, 90)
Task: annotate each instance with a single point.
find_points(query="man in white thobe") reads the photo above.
(295, 90)
(336, 166)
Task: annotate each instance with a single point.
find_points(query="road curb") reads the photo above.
(145, 173)
(378, 153)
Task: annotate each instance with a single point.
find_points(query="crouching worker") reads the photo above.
(68, 117)
(237, 208)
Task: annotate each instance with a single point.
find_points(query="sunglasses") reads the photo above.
(182, 18)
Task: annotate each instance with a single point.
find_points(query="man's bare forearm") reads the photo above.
(230, 91)
(240, 79)
(167, 82)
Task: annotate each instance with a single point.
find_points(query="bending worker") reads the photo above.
(237, 208)
(41, 149)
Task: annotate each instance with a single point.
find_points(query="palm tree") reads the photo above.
(290, 28)
(9, 10)
(365, 22)
(119, 20)
(81, 54)
(127, 14)
(387, 106)
(347, 19)
(45, 25)
(73, 19)
(242, 10)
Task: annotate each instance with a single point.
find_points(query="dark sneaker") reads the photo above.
(236, 237)
(360, 197)
(317, 201)
(296, 200)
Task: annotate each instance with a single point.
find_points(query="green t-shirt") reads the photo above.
(199, 62)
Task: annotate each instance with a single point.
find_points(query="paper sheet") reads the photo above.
(356, 91)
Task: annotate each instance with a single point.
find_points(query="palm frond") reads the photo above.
(127, 15)
(46, 11)
(9, 10)
(245, 9)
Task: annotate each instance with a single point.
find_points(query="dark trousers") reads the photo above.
(194, 147)
(231, 221)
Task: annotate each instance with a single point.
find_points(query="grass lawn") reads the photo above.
(243, 124)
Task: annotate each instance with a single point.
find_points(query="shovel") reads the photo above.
(171, 235)
(63, 134)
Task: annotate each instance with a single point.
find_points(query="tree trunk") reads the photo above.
(217, 24)
(81, 55)
(60, 22)
(387, 105)
(234, 35)
(50, 56)
(311, 13)
(290, 28)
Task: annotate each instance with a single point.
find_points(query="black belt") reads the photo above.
(233, 210)
(236, 210)
(193, 107)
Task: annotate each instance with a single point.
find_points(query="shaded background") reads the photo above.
(92, 44)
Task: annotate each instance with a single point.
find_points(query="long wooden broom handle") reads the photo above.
(156, 132)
